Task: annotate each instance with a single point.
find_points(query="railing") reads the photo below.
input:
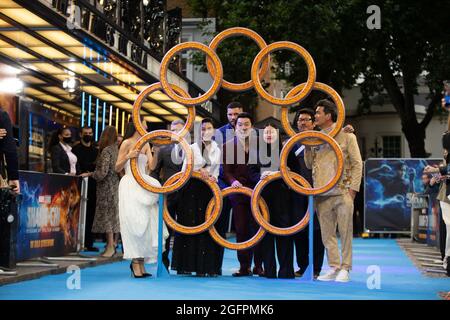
(138, 31)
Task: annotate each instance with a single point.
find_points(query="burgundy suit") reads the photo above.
(241, 166)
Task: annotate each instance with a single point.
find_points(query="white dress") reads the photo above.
(138, 214)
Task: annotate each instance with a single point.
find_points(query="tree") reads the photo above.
(412, 43)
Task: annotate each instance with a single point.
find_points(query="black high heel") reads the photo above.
(132, 272)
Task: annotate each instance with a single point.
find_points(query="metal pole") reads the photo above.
(310, 270)
(82, 218)
(161, 269)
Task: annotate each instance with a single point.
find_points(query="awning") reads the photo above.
(46, 55)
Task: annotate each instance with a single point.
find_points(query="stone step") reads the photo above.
(432, 270)
(429, 259)
(437, 265)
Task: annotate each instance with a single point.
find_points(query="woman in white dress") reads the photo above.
(138, 208)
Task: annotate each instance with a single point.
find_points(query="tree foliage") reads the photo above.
(412, 45)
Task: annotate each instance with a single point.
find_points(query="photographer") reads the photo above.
(8, 153)
(444, 192)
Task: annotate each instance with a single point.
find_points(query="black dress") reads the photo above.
(277, 196)
(195, 253)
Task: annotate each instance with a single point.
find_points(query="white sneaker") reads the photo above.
(343, 276)
(330, 275)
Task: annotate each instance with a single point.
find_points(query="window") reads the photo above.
(186, 65)
(392, 147)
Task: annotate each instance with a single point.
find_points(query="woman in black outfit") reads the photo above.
(63, 159)
(444, 198)
(198, 253)
(277, 196)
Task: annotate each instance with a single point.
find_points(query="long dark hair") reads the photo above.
(130, 130)
(201, 144)
(446, 144)
(107, 138)
(54, 138)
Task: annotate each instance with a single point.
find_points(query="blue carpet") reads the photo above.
(400, 279)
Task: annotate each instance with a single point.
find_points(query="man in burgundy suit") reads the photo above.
(240, 170)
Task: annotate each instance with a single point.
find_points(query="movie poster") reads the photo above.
(36, 145)
(48, 216)
(389, 187)
(433, 222)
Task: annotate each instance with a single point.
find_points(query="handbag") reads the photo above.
(3, 175)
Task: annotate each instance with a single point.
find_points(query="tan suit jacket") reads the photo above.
(323, 162)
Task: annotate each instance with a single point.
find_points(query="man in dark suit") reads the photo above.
(296, 162)
(165, 168)
(86, 152)
(238, 156)
(8, 151)
(223, 134)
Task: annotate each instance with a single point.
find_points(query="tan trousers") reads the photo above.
(337, 211)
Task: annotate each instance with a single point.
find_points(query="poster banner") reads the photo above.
(434, 210)
(48, 216)
(389, 186)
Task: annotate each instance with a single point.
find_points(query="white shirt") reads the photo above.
(214, 155)
(72, 158)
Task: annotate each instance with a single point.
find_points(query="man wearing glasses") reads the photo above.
(296, 162)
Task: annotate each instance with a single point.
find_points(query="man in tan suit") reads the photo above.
(335, 207)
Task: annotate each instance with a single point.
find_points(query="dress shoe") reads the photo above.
(258, 271)
(184, 273)
(241, 273)
(298, 273)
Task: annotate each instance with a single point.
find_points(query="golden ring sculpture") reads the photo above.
(297, 94)
(218, 78)
(285, 170)
(140, 100)
(304, 92)
(238, 31)
(257, 212)
(337, 101)
(256, 237)
(210, 217)
(189, 163)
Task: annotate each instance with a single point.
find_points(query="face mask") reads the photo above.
(67, 139)
(87, 138)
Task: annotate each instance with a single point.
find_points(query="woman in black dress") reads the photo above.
(277, 196)
(198, 253)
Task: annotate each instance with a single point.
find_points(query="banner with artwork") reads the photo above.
(49, 215)
(389, 186)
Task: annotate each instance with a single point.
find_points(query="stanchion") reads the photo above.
(161, 269)
(310, 270)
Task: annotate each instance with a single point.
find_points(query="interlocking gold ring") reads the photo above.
(337, 101)
(259, 66)
(253, 240)
(279, 46)
(257, 212)
(217, 79)
(238, 31)
(210, 217)
(189, 162)
(285, 171)
(140, 100)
